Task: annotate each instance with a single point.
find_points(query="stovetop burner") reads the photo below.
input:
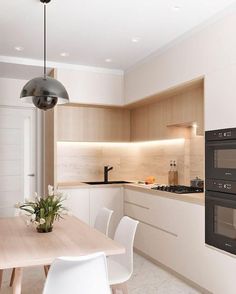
(179, 189)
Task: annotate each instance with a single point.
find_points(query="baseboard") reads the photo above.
(173, 272)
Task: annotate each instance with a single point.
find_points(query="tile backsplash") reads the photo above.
(131, 161)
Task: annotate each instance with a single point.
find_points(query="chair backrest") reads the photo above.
(124, 235)
(74, 275)
(103, 220)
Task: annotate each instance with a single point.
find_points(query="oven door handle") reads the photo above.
(220, 143)
(226, 201)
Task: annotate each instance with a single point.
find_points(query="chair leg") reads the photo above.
(120, 288)
(12, 277)
(1, 275)
(46, 269)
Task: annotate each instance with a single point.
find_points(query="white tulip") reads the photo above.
(17, 205)
(37, 198)
(33, 217)
(42, 221)
(50, 190)
(66, 212)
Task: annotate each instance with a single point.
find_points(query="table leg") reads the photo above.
(46, 269)
(17, 281)
(12, 277)
(1, 274)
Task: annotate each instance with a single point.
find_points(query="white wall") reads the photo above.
(210, 53)
(91, 87)
(10, 90)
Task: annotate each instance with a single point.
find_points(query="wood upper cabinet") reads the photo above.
(163, 118)
(168, 118)
(187, 108)
(93, 124)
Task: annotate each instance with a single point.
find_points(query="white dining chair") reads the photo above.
(102, 220)
(74, 275)
(120, 267)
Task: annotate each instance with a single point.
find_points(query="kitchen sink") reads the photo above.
(106, 183)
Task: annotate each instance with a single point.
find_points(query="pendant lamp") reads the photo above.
(44, 92)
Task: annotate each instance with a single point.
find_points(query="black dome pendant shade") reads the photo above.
(44, 92)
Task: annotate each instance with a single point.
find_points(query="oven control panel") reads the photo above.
(221, 186)
(224, 134)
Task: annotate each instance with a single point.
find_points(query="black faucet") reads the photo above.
(106, 170)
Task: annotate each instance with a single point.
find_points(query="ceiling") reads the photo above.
(92, 31)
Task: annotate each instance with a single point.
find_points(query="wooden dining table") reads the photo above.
(22, 246)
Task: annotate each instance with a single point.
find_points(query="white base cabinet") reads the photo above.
(111, 198)
(78, 203)
(172, 232)
(85, 203)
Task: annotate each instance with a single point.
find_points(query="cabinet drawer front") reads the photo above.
(154, 210)
(136, 211)
(156, 243)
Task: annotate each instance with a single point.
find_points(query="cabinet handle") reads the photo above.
(132, 203)
(156, 227)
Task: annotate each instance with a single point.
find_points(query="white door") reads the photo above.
(17, 157)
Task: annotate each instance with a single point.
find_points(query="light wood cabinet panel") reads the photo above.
(93, 124)
(170, 117)
(187, 108)
(49, 149)
(139, 124)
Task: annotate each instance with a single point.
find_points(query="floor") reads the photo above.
(147, 279)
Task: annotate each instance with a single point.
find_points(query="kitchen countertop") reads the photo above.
(196, 198)
(76, 185)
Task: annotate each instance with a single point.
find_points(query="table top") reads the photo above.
(22, 245)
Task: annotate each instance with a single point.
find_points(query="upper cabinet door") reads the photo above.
(93, 124)
(169, 118)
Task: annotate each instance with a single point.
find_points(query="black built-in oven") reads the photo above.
(220, 220)
(220, 186)
(220, 154)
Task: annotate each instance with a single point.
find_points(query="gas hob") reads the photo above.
(179, 189)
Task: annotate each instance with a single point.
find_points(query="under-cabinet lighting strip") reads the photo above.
(144, 143)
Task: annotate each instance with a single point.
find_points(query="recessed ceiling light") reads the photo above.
(19, 48)
(135, 40)
(64, 54)
(176, 7)
(108, 60)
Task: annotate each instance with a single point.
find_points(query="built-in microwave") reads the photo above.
(220, 220)
(220, 152)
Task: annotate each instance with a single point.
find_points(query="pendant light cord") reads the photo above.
(45, 40)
